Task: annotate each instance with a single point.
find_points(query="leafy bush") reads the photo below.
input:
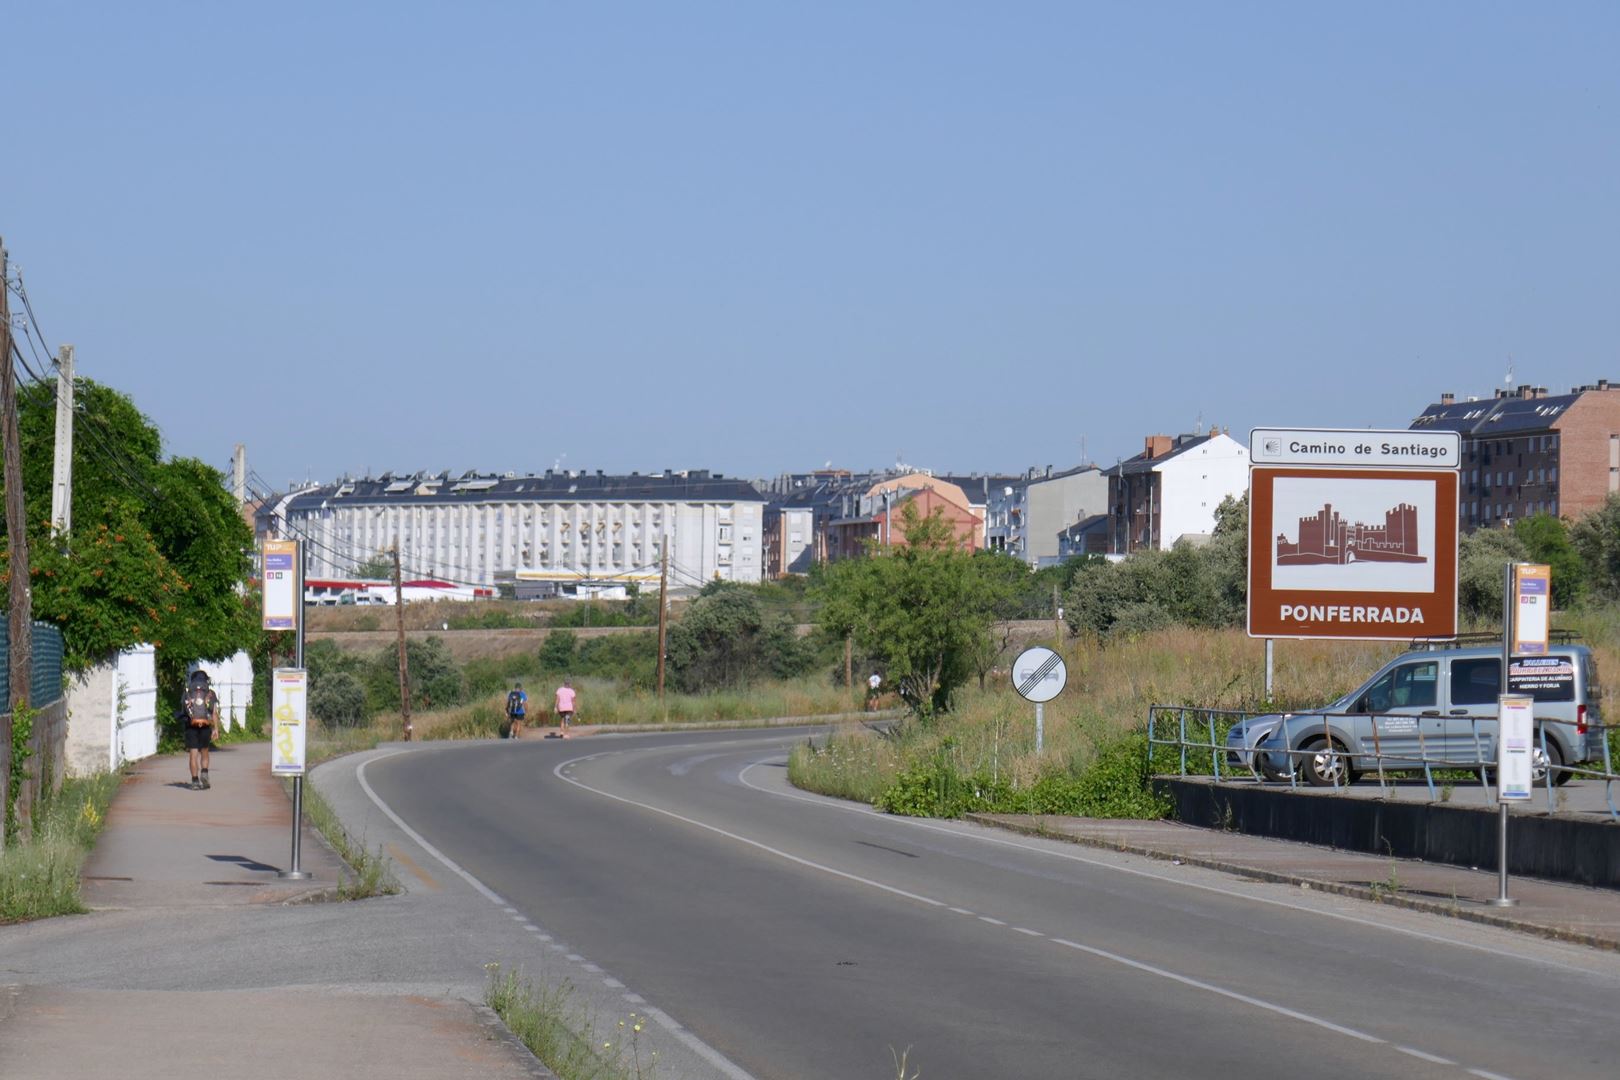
(611, 613)
(1113, 784)
(557, 651)
(725, 640)
(338, 698)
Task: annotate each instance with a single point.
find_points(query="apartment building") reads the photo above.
(1526, 452)
(559, 525)
(1172, 489)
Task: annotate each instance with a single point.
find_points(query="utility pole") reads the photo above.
(849, 662)
(1057, 621)
(62, 474)
(404, 670)
(239, 474)
(21, 597)
(663, 607)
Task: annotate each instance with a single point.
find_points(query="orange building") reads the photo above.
(852, 536)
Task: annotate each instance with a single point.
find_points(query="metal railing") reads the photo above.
(1196, 738)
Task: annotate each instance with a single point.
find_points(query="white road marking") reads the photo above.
(611, 982)
(1024, 930)
(778, 852)
(1090, 950)
(983, 834)
(1419, 1054)
(961, 911)
(702, 1049)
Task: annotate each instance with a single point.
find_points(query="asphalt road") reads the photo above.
(794, 936)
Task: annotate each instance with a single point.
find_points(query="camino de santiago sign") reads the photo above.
(1353, 534)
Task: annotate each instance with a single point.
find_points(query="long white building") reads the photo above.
(468, 530)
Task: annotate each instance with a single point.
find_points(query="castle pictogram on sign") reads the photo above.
(1327, 539)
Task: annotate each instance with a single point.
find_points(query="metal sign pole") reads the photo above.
(295, 871)
(1502, 898)
(1269, 643)
(1040, 725)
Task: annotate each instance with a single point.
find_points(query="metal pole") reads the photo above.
(1269, 668)
(1040, 725)
(1502, 898)
(294, 871)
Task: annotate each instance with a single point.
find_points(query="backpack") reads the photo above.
(514, 704)
(198, 707)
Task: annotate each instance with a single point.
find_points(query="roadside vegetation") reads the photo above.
(373, 870)
(1160, 627)
(564, 1036)
(39, 869)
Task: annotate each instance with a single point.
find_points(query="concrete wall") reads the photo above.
(1583, 851)
(112, 713)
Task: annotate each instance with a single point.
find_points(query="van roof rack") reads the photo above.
(1489, 637)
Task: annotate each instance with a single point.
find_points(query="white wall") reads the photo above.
(1195, 482)
(112, 713)
(232, 680)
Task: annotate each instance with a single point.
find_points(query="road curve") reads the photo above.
(806, 937)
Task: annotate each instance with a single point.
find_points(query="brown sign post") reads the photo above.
(1351, 551)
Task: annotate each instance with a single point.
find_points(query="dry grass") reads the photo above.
(991, 732)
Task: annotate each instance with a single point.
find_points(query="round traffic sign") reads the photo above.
(1038, 674)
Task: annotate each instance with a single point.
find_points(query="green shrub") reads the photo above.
(338, 698)
(1113, 784)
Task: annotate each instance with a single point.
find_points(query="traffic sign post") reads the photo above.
(1526, 621)
(1039, 675)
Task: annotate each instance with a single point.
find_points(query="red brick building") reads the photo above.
(885, 522)
(1528, 452)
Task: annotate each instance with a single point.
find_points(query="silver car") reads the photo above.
(1435, 707)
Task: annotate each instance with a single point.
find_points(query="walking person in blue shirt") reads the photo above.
(517, 703)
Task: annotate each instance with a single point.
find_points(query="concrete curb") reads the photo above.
(1339, 888)
(497, 1031)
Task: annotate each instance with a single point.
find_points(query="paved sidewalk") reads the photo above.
(200, 854)
(1564, 912)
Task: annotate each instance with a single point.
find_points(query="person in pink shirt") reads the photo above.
(565, 705)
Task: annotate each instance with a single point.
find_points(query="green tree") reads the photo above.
(378, 567)
(1596, 538)
(725, 639)
(338, 698)
(1546, 540)
(1482, 557)
(158, 551)
(922, 608)
(557, 651)
(435, 679)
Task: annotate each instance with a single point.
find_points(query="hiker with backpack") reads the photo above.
(517, 703)
(200, 712)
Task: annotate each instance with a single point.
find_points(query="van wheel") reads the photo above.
(1322, 767)
(1539, 763)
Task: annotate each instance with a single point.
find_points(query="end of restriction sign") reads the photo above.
(1039, 674)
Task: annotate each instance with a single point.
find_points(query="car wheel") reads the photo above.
(1325, 764)
(1539, 762)
(1275, 775)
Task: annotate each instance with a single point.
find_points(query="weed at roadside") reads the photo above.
(39, 873)
(563, 1037)
(373, 873)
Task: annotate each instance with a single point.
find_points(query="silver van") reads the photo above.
(1435, 706)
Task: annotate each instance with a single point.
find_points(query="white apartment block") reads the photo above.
(587, 527)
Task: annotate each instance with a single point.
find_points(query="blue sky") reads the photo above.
(759, 236)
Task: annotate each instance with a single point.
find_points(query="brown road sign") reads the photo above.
(1352, 553)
